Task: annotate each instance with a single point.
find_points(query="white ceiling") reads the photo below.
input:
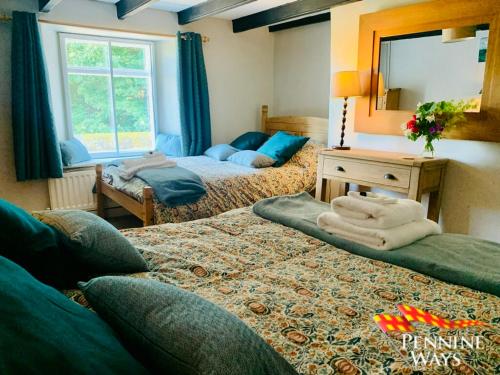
(244, 10)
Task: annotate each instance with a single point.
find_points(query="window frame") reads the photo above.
(111, 72)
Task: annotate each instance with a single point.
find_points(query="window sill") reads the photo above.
(92, 163)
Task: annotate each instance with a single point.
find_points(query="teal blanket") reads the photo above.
(454, 258)
(174, 186)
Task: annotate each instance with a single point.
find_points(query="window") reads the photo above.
(109, 94)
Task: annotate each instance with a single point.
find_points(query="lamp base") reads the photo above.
(341, 147)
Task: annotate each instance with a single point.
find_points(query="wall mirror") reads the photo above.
(432, 66)
(430, 51)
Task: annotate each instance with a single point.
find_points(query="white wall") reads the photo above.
(302, 70)
(426, 69)
(471, 202)
(240, 76)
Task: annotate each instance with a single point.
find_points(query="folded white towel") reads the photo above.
(147, 158)
(365, 213)
(128, 173)
(379, 239)
(372, 197)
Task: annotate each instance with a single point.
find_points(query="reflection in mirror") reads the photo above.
(432, 66)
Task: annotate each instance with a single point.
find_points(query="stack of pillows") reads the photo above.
(258, 150)
(141, 326)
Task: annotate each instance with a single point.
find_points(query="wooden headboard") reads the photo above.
(315, 128)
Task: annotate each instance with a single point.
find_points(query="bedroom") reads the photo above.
(245, 71)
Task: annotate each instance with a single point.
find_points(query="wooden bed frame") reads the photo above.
(314, 127)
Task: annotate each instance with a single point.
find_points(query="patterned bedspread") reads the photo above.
(311, 301)
(229, 185)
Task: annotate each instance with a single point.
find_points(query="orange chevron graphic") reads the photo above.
(387, 322)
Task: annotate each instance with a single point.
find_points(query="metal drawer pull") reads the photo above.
(339, 168)
(389, 176)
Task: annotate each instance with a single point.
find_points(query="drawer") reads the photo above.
(372, 172)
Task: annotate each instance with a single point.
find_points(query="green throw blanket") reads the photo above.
(454, 258)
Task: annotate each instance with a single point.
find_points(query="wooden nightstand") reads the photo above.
(405, 173)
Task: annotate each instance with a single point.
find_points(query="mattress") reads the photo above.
(312, 302)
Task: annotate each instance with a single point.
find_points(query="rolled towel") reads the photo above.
(379, 239)
(155, 157)
(377, 216)
(128, 173)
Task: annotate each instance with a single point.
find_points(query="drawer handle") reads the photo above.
(339, 168)
(389, 176)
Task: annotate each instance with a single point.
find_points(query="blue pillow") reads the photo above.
(177, 332)
(282, 146)
(220, 152)
(73, 151)
(250, 141)
(169, 144)
(252, 159)
(44, 332)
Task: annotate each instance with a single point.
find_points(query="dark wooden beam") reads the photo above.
(284, 12)
(127, 8)
(208, 8)
(47, 5)
(323, 17)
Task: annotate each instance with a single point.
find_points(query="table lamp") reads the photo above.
(345, 84)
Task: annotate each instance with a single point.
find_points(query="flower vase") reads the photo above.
(428, 152)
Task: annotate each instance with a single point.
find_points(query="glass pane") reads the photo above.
(129, 56)
(133, 120)
(90, 111)
(86, 54)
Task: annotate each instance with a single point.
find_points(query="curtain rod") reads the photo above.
(5, 17)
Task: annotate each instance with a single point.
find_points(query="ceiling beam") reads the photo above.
(208, 8)
(47, 5)
(317, 18)
(127, 8)
(284, 12)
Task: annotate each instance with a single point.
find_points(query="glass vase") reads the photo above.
(428, 149)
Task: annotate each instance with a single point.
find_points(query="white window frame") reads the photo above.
(151, 75)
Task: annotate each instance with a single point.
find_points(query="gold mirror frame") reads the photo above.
(422, 17)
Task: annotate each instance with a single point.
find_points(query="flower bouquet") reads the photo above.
(432, 118)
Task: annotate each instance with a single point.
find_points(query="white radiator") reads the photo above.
(73, 191)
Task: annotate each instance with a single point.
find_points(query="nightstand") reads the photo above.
(404, 173)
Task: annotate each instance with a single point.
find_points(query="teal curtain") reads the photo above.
(193, 91)
(36, 148)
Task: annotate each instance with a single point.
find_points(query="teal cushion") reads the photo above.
(43, 332)
(282, 146)
(97, 245)
(73, 151)
(177, 332)
(220, 152)
(37, 247)
(250, 141)
(169, 144)
(251, 159)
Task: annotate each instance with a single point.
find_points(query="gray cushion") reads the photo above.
(177, 332)
(221, 152)
(100, 246)
(252, 159)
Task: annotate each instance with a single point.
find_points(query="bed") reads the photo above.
(228, 185)
(312, 302)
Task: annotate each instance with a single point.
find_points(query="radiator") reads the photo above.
(73, 190)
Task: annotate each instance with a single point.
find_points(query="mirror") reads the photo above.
(438, 65)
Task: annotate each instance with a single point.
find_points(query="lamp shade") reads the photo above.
(346, 84)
